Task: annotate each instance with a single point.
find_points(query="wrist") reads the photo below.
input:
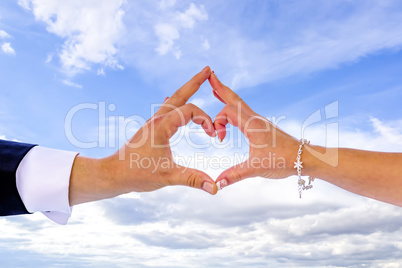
(313, 159)
(91, 180)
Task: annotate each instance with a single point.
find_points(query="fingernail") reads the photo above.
(221, 184)
(208, 187)
(213, 72)
(166, 99)
(220, 139)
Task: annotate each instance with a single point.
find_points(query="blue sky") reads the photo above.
(286, 59)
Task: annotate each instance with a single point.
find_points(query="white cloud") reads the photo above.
(4, 35)
(91, 30)
(101, 71)
(4, 137)
(188, 18)
(6, 47)
(167, 34)
(166, 3)
(206, 45)
(392, 132)
(49, 58)
(26, 4)
(71, 84)
(198, 102)
(168, 31)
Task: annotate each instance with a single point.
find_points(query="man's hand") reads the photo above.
(145, 162)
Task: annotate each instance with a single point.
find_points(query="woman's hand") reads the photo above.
(145, 162)
(272, 151)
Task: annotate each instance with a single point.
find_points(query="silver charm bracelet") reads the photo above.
(298, 166)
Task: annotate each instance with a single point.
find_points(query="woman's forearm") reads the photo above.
(376, 175)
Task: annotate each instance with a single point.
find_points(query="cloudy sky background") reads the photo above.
(287, 60)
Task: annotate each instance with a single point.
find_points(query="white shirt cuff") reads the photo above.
(43, 179)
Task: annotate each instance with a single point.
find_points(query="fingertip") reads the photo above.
(221, 135)
(209, 187)
(207, 70)
(215, 82)
(222, 183)
(212, 134)
(209, 128)
(225, 179)
(221, 131)
(215, 190)
(213, 75)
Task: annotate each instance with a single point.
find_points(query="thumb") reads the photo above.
(194, 178)
(235, 174)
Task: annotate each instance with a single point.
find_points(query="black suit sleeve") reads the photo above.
(11, 154)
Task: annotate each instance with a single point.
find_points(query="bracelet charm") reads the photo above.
(298, 166)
